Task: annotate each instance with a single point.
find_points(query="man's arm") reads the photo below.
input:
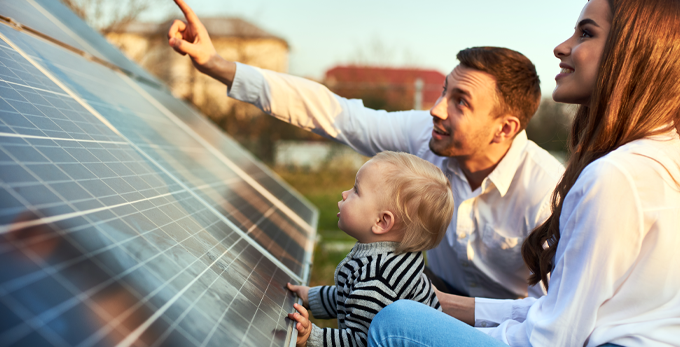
(311, 106)
(301, 102)
(192, 39)
(459, 307)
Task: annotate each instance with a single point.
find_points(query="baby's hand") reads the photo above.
(302, 292)
(303, 326)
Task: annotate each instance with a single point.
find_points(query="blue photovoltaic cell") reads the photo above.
(96, 43)
(25, 13)
(172, 147)
(64, 26)
(134, 233)
(236, 153)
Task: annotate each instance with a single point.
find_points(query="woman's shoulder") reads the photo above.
(649, 166)
(651, 155)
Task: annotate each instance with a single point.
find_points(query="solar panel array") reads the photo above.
(126, 218)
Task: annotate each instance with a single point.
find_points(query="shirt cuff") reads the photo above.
(493, 312)
(248, 84)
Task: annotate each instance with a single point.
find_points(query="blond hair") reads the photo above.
(420, 196)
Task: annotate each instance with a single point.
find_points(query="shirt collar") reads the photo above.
(505, 171)
(502, 175)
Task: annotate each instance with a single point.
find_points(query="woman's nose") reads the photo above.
(563, 49)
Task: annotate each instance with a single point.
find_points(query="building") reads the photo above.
(234, 39)
(391, 89)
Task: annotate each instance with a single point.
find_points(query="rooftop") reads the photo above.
(216, 26)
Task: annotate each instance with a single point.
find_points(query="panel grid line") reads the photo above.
(16, 283)
(36, 88)
(130, 339)
(113, 323)
(46, 316)
(188, 309)
(128, 227)
(285, 209)
(59, 138)
(108, 124)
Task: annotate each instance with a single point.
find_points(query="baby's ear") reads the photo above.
(384, 223)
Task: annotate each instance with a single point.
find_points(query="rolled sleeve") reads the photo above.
(311, 106)
(492, 312)
(249, 86)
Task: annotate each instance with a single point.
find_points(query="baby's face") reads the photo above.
(360, 206)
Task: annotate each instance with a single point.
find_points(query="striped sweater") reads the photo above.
(368, 279)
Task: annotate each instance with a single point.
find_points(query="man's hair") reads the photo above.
(517, 83)
(420, 196)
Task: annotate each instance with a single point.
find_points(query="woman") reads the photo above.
(609, 254)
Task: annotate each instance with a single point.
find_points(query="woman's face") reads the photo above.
(580, 54)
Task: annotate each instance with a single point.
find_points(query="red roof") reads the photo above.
(399, 82)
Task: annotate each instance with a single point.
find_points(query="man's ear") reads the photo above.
(507, 127)
(384, 223)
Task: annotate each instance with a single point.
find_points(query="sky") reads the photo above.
(423, 34)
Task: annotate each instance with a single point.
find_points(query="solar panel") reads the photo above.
(128, 219)
(51, 18)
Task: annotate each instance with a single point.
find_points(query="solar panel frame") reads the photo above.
(11, 200)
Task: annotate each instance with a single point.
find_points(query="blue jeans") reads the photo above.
(407, 323)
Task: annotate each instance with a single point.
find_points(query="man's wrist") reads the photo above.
(459, 307)
(220, 69)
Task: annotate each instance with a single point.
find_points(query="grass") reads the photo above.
(323, 189)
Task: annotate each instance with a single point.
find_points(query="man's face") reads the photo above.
(463, 122)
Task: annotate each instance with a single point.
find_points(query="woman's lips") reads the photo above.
(565, 71)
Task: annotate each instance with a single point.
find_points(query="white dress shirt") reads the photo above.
(617, 266)
(481, 252)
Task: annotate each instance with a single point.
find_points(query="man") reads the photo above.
(501, 181)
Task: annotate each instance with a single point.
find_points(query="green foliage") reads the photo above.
(549, 127)
(259, 132)
(323, 188)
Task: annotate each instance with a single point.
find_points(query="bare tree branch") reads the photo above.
(110, 15)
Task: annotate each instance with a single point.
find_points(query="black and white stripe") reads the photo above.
(368, 279)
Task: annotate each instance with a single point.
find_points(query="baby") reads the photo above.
(400, 205)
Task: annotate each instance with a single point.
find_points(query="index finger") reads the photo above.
(303, 312)
(188, 12)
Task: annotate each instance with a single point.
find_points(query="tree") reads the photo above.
(109, 15)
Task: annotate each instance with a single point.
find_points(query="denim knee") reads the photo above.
(389, 319)
(398, 308)
(394, 314)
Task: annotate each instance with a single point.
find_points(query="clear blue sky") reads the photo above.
(425, 34)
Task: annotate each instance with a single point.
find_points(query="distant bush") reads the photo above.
(549, 127)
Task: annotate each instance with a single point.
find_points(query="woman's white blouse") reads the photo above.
(617, 266)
